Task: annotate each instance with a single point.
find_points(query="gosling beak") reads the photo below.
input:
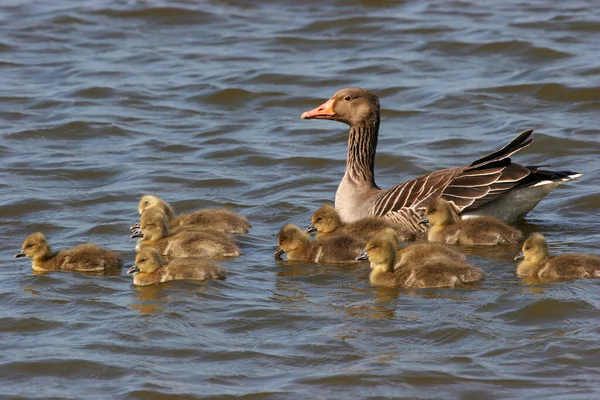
(20, 253)
(137, 233)
(278, 254)
(311, 228)
(135, 227)
(363, 256)
(520, 256)
(423, 220)
(133, 269)
(324, 111)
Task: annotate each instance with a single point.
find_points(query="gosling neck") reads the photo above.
(362, 145)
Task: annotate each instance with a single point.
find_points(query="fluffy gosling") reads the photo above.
(150, 268)
(298, 247)
(427, 273)
(448, 227)
(537, 262)
(327, 221)
(84, 257)
(156, 233)
(218, 219)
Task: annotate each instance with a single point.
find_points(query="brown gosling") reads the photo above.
(537, 262)
(156, 233)
(150, 268)
(327, 221)
(84, 257)
(218, 219)
(298, 247)
(426, 273)
(448, 227)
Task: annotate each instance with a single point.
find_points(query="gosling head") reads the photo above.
(535, 249)
(35, 246)
(153, 225)
(353, 106)
(381, 250)
(291, 238)
(440, 212)
(147, 260)
(325, 220)
(149, 201)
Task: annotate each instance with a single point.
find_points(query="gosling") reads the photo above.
(448, 227)
(537, 262)
(150, 268)
(298, 247)
(155, 232)
(218, 219)
(427, 273)
(83, 258)
(327, 221)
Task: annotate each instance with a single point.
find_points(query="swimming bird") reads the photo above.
(537, 262)
(448, 227)
(86, 257)
(219, 219)
(150, 268)
(155, 232)
(492, 185)
(298, 247)
(326, 221)
(416, 253)
(427, 273)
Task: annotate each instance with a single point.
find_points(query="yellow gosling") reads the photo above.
(84, 257)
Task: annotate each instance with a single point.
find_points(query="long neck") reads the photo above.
(362, 144)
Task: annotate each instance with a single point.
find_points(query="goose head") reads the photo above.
(291, 238)
(35, 246)
(147, 260)
(535, 249)
(325, 220)
(440, 212)
(153, 225)
(150, 201)
(352, 106)
(381, 250)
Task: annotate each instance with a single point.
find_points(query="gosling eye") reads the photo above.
(143, 260)
(372, 247)
(347, 98)
(431, 211)
(527, 247)
(319, 219)
(28, 246)
(146, 203)
(281, 241)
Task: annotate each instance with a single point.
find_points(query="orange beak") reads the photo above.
(324, 111)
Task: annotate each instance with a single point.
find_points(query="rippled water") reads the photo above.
(200, 103)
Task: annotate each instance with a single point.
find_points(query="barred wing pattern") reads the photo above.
(468, 187)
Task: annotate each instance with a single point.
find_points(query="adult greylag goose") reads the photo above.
(85, 257)
(537, 262)
(448, 227)
(491, 185)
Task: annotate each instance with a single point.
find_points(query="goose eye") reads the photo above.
(281, 241)
(372, 247)
(28, 246)
(347, 98)
(319, 219)
(527, 247)
(431, 211)
(143, 260)
(146, 203)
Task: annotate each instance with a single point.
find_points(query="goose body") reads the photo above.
(326, 221)
(155, 232)
(492, 185)
(150, 268)
(331, 250)
(538, 263)
(86, 257)
(219, 219)
(448, 227)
